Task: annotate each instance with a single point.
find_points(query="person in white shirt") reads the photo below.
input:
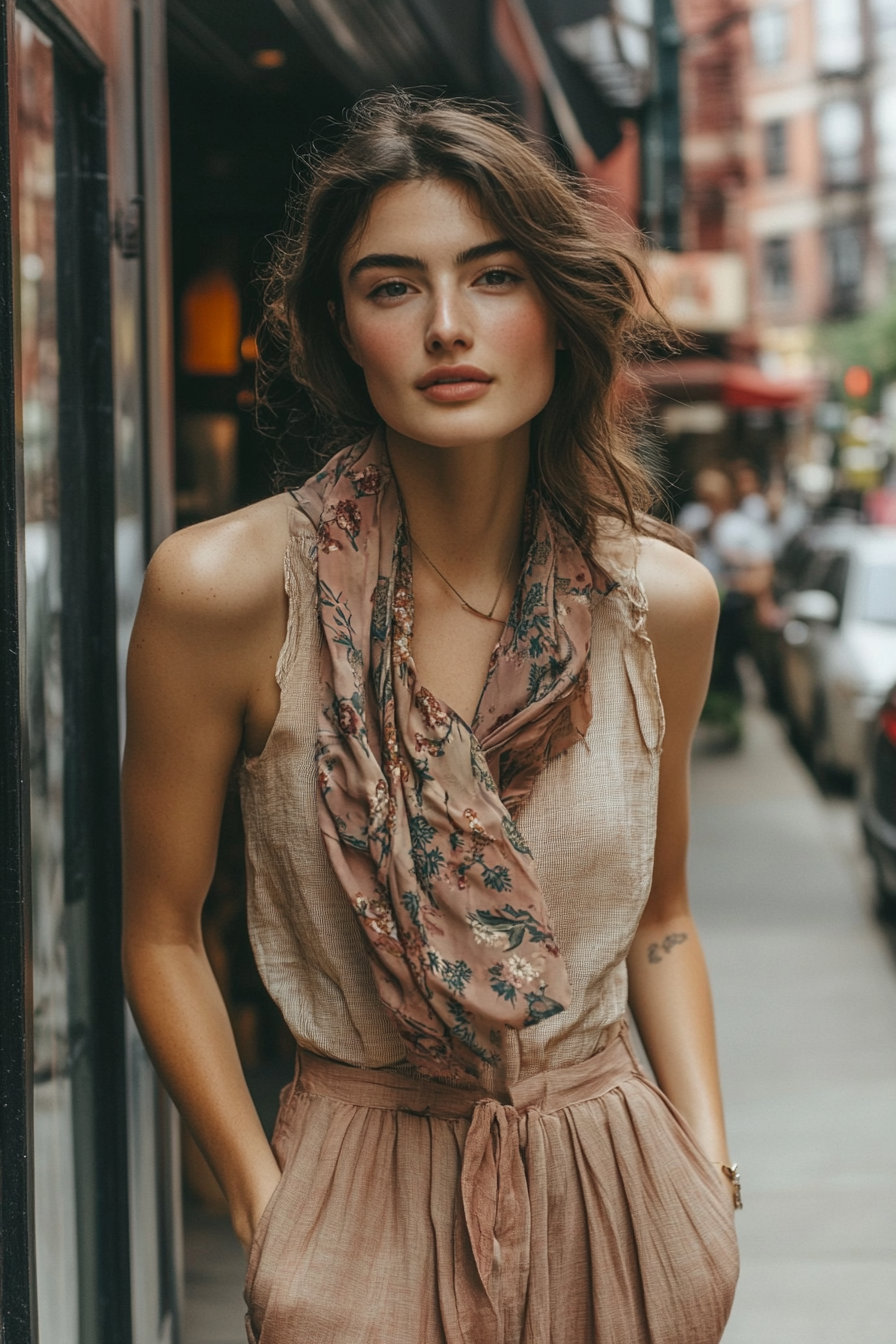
(737, 550)
(751, 498)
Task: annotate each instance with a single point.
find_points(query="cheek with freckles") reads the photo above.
(386, 351)
(526, 344)
(513, 339)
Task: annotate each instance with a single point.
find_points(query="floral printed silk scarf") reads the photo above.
(417, 807)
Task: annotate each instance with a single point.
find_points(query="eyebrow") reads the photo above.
(394, 260)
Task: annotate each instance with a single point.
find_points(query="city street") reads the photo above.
(805, 987)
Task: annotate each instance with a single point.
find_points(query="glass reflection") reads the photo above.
(54, 1169)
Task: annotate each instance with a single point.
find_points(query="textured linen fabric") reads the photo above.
(562, 1201)
(413, 1212)
(590, 823)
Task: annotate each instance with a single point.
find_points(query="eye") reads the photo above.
(390, 289)
(498, 277)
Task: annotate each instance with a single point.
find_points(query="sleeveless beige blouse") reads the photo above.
(590, 823)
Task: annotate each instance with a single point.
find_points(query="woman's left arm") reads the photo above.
(668, 983)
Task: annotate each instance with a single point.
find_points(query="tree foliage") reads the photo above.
(869, 340)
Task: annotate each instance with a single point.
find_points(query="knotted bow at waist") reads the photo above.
(503, 1150)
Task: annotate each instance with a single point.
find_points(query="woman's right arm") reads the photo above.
(205, 639)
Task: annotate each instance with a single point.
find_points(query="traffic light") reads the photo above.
(857, 381)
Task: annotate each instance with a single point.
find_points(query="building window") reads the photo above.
(777, 268)
(841, 132)
(770, 30)
(846, 265)
(838, 36)
(774, 135)
(885, 131)
(884, 15)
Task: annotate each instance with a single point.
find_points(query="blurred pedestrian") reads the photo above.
(751, 498)
(788, 514)
(737, 550)
(460, 825)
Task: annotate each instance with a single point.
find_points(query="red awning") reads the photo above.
(735, 385)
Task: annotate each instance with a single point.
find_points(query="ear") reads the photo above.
(337, 313)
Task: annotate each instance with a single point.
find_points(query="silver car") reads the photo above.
(839, 648)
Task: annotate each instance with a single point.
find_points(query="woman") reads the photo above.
(459, 827)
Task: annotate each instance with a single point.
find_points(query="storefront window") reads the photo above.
(54, 1046)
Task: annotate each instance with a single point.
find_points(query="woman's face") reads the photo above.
(457, 345)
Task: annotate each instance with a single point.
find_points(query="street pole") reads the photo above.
(662, 191)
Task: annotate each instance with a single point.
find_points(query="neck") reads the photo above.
(464, 504)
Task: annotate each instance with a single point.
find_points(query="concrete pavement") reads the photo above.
(805, 990)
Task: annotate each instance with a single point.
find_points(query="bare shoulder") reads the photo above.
(682, 598)
(210, 625)
(682, 615)
(224, 571)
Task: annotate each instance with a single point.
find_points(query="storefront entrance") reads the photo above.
(83, 1121)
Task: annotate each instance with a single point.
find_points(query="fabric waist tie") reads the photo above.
(502, 1141)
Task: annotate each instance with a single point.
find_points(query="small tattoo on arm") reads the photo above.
(655, 950)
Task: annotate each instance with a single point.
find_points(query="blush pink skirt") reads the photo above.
(409, 1212)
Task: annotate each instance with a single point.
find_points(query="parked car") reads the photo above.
(801, 550)
(792, 568)
(838, 654)
(877, 803)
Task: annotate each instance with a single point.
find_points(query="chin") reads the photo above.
(457, 426)
(448, 437)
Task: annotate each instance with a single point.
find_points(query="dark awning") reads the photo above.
(737, 385)
(574, 45)
(588, 125)
(374, 44)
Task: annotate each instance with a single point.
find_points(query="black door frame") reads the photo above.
(92, 847)
(17, 1279)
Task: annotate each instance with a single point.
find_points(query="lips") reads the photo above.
(450, 384)
(447, 375)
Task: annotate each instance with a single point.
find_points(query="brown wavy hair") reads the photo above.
(585, 458)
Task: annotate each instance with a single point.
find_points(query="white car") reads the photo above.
(839, 649)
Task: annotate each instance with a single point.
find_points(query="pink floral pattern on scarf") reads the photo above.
(417, 807)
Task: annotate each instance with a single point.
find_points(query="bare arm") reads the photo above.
(200, 677)
(669, 987)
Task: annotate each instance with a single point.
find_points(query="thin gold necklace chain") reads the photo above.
(485, 615)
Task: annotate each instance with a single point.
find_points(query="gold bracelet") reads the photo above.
(734, 1177)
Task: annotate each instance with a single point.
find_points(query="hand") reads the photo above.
(245, 1218)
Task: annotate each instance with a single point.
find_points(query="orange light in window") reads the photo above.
(857, 381)
(210, 326)
(245, 399)
(268, 58)
(248, 349)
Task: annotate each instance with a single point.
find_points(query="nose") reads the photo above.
(449, 327)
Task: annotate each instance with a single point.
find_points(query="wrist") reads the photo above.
(249, 1203)
(732, 1175)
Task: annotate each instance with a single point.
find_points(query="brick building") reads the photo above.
(713, 62)
(789, 143)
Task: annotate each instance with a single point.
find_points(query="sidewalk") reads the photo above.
(805, 990)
